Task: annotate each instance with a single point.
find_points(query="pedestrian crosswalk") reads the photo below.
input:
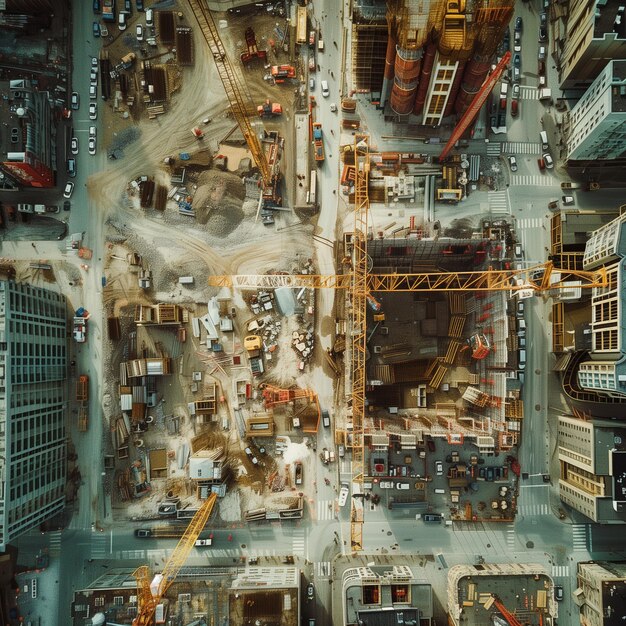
(533, 181)
(510, 536)
(533, 509)
(498, 202)
(529, 222)
(298, 544)
(529, 93)
(522, 147)
(55, 542)
(99, 542)
(323, 569)
(560, 571)
(494, 149)
(579, 537)
(325, 510)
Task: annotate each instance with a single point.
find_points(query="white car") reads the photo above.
(93, 92)
(439, 468)
(513, 163)
(92, 145)
(204, 542)
(74, 145)
(69, 189)
(93, 77)
(547, 159)
(343, 494)
(93, 132)
(139, 32)
(121, 21)
(93, 111)
(94, 64)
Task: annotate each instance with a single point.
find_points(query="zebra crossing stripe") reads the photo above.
(560, 571)
(529, 93)
(533, 181)
(55, 543)
(522, 147)
(530, 222)
(579, 537)
(494, 149)
(322, 569)
(498, 202)
(325, 510)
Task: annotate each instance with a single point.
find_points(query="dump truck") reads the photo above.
(82, 388)
(318, 142)
(270, 109)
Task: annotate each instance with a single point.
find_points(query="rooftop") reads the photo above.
(609, 20)
(618, 87)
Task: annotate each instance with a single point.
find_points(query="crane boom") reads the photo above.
(236, 91)
(147, 602)
(476, 104)
(508, 616)
(538, 278)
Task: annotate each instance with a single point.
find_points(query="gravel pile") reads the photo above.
(123, 139)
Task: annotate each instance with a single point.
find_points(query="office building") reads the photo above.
(591, 458)
(33, 365)
(597, 123)
(601, 593)
(27, 149)
(585, 36)
(385, 595)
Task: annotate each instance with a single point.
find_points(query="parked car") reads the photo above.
(558, 593)
(94, 63)
(513, 163)
(542, 53)
(139, 32)
(515, 91)
(93, 111)
(439, 468)
(121, 21)
(326, 419)
(69, 189)
(547, 159)
(310, 591)
(93, 77)
(517, 60)
(75, 101)
(251, 456)
(92, 145)
(93, 131)
(543, 34)
(71, 168)
(74, 145)
(518, 24)
(143, 532)
(432, 518)
(93, 92)
(139, 4)
(517, 41)
(567, 200)
(96, 29)
(514, 108)
(67, 205)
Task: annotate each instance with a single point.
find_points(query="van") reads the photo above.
(544, 139)
(325, 90)
(440, 491)
(326, 419)
(149, 17)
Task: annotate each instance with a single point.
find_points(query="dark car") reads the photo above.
(310, 591)
(558, 593)
(67, 205)
(96, 6)
(518, 24)
(326, 419)
(517, 60)
(490, 474)
(432, 518)
(139, 5)
(75, 101)
(96, 29)
(543, 33)
(143, 533)
(543, 18)
(431, 445)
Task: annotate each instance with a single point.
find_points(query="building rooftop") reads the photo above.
(609, 19)
(618, 87)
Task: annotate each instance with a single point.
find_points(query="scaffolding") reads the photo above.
(369, 44)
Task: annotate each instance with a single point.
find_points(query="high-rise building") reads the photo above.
(601, 593)
(30, 157)
(597, 123)
(33, 365)
(591, 458)
(586, 35)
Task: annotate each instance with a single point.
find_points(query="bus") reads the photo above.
(312, 188)
(301, 34)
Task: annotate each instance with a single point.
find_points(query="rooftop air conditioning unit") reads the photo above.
(378, 349)
(384, 330)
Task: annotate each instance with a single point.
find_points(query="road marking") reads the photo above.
(530, 222)
(533, 510)
(345, 466)
(494, 149)
(298, 544)
(54, 547)
(560, 571)
(498, 202)
(323, 569)
(579, 537)
(522, 147)
(529, 93)
(325, 510)
(510, 536)
(99, 546)
(533, 181)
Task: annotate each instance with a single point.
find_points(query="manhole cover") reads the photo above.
(530, 545)
(537, 407)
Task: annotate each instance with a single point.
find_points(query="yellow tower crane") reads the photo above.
(361, 284)
(236, 91)
(147, 600)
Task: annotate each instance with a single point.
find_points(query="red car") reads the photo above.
(514, 108)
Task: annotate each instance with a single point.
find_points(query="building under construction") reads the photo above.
(437, 54)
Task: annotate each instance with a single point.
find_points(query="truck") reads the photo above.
(80, 329)
(108, 10)
(270, 109)
(280, 73)
(318, 142)
(82, 388)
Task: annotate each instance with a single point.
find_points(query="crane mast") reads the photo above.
(147, 601)
(236, 91)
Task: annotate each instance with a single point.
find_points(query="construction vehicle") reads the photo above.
(252, 51)
(318, 142)
(479, 345)
(280, 73)
(509, 617)
(149, 595)
(362, 284)
(197, 132)
(472, 111)
(240, 102)
(270, 109)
